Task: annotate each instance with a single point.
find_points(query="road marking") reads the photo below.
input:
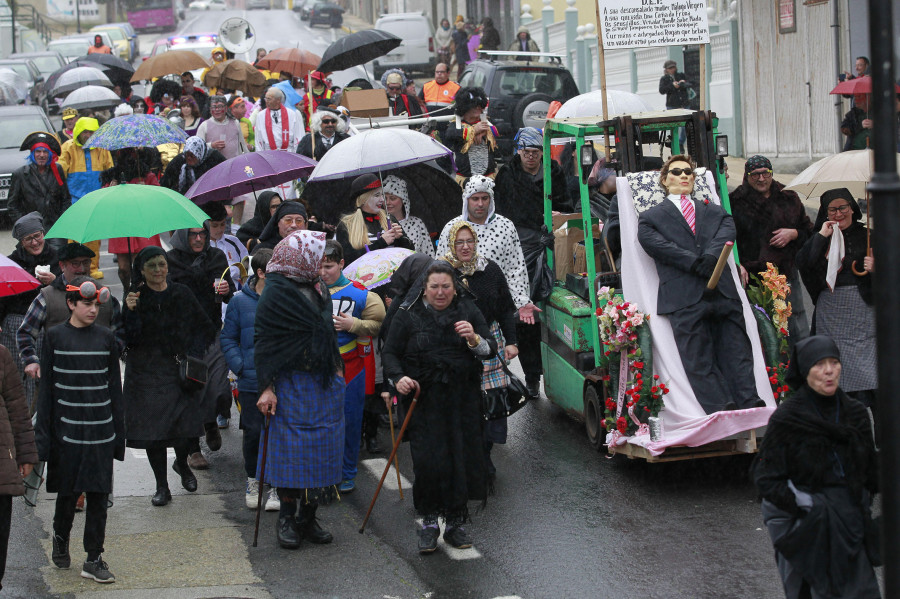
(141, 454)
(452, 552)
(376, 467)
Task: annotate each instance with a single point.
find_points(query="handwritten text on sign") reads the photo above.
(640, 23)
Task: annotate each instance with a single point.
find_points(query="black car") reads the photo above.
(27, 69)
(16, 122)
(303, 7)
(519, 91)
(326, 13)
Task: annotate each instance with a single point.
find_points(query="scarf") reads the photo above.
(198, 148)
(298, 256)
(52, 162)
(477, 263)
(285, 130)
(836, 254)
(341, 282)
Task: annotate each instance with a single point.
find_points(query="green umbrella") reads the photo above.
(127, 211)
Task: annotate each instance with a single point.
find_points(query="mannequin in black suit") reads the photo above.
(708, 326)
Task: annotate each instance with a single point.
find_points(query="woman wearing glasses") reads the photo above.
(838, 279)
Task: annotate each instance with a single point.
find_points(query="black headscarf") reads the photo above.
(270, 233)
(137, 274)
(805, 355)
(406, 285)
(253, 228)
(830, 196)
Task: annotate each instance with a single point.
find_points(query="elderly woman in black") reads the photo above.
(163, 320)
(435, 344)
(816, 472)
(483, 278)
(838, 278)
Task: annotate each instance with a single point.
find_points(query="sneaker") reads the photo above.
(60, 554)
(222, 422)
(273, 504)
(428, 538)
(196, 461)
(97, 571)
(252, 496)
(456, 536)
(213, 438)
(347, 486)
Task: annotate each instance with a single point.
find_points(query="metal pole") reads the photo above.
(12, 17)
(78, 16)
(836, 42)
(884, 189)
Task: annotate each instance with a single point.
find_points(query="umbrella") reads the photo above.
(118, 70)
(591, 104)
(127, 211)
(15, 82)
(357, 48)
(79, 77)
(291, 97)
(168, 63)
(236, 75)
(91, 96)
(15, 279)
(859, 85)
(852, 169)
(374, 269)
(292, 60)
(135, 131)
(247, 173)
(377, 150)
(8, 94)
(434, 196)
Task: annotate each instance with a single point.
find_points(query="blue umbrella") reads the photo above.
(135, 131)
(291, 97)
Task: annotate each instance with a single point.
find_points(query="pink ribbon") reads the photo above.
(620, 400)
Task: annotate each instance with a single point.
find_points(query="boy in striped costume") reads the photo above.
(80, 422)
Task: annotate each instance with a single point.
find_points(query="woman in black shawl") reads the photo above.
(193, 162)
(301, 392)
(266, 204)
(434, 345)
(843, 298)
(162, 320)
(290, 216)
(816, 472)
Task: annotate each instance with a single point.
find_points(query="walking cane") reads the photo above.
(396, 460)
(387, 467)
(262, 478)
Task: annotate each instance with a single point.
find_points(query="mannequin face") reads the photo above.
(679, 184)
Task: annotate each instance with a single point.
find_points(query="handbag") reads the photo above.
(503, 402)
(192, 373)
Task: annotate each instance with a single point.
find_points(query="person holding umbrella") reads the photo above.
(302, 392)
(40, 184)
(368, 228)
(278, 128)
(857, 125)
(83, 168)
(327, 128)
(223, 133)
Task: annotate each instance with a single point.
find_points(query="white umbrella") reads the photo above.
(852, 169)
(16, 82)
(80, 77)
(591, 104)
(377, 150)
(91, 96)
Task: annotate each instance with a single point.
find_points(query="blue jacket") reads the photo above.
(237, 336)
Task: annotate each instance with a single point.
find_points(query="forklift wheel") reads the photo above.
(593, 418)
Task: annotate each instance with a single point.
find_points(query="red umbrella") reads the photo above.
(859, 85)
(291, 60)
(15, 279)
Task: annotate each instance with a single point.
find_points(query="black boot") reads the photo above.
(370, 432)
(309, 525)
(286, 528)
(60, 555)
(188, 480)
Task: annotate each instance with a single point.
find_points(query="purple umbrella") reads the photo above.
(248, 173)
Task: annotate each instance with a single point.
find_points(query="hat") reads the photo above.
(74, 250)
(362, 184)
(328, 109)
(215, 210)
(318, 76)
(478, 184)
(529, 137)
(395, 78)
(69, 113)
(523, 29)
(394, 185)
(28, 224)
(39, 137)
(669, 63)
(755, 162)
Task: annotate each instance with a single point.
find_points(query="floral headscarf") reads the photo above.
(198, 148)
(478, 261)
(298, 256)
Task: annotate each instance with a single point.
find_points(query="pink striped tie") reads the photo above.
(687, 209)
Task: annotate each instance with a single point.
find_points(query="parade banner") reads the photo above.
(642, 23)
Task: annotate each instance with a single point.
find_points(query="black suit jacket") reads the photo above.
(667, 238)
(305, 145)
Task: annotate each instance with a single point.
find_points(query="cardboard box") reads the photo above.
(365, 102)
(565, 240)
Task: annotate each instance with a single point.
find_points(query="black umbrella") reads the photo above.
(118, 70)
(356, 49)
(434, 196)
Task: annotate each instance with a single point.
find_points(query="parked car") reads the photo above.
(132, 37)
(207, 5)
(47, 62)
(16, 122)
(29, 71)
(159, 46)
(262, 4)
(70, 49)
(302, 7)
(122, 45)
(520, 92)
(326, 13)
(416, 51)
(89, 38)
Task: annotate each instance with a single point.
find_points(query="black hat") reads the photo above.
(329, 109)
(364, 183)
(805, 355)
(74, 250)
(40, 137)
(215, 210)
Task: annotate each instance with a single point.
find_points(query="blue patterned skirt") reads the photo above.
(306, 434)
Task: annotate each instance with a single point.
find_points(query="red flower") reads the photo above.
(773, 380)
(654, 389)
(635, 397)
(638, 364)
(776, 395)
(605, 377)
(656, 377)
(646, 409)
(622, 425)
(783, 332)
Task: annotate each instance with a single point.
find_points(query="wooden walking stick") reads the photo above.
(412, 406)
(262, 478)
(720, 265)
(396, 461)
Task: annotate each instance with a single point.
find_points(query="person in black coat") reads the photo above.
(289, 217)
(674, 86)
(490, 36)
(471, 137)
(193, 162)
(39, 185)
(327, 128)
(267, 203)
(817, 472)
(685, 240)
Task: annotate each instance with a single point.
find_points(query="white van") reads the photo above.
(416, 53)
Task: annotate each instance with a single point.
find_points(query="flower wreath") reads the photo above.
(624, 335)
(771, 309)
